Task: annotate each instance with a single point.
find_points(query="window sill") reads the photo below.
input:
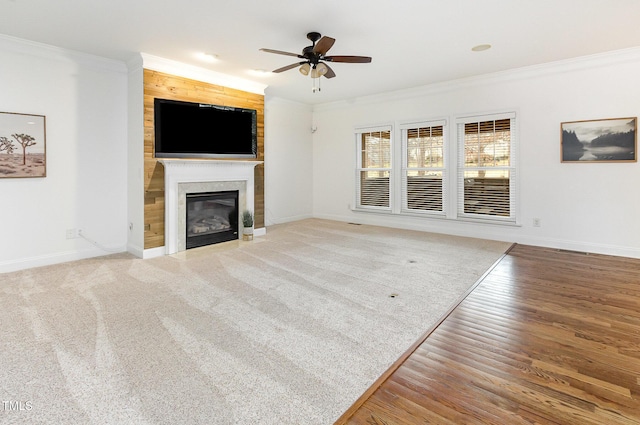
(425, 214)
(487, 221)
(386, 211)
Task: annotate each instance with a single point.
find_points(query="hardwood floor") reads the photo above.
(545, 337)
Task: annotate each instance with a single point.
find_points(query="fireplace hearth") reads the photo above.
(211, 217)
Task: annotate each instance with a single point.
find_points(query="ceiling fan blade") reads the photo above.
(348, 59)
(280, 52)
(323, 45)
(330, 73)
(288, 67)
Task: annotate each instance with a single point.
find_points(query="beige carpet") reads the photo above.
(288, 329)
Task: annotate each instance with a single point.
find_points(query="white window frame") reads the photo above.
(359, 131)
(445, 169)
(513, 217)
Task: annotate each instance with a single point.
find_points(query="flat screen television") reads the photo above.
(199, 130)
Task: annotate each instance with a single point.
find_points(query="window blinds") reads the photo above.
(374, 169)
(424, 172)
(486, 171)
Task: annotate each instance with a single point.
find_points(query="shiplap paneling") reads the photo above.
(165, 86)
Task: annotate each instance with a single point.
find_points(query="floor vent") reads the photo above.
(569, 251)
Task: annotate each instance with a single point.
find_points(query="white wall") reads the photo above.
(588, 207)
(288, 161)
(84, 100)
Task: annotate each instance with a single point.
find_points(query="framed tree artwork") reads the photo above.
(22, 145)
(606, 140)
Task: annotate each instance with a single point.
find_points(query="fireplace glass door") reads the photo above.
(212, 217)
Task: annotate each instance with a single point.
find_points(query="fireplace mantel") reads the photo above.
(183, 175)
(196, 168)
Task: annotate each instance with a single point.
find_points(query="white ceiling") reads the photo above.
(412, 42)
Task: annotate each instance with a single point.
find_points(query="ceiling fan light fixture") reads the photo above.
(322, 69)
(304, 69)
(319, 70)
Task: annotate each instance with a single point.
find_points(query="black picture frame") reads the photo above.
(603, 140)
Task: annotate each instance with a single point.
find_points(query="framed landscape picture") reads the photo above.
(606, 140)
(22, 145)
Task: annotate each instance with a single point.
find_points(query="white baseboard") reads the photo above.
(136, 250)
(513, 234)
(593, 248)
(282, 220)
(467, 231)
(49, 259)
(154, 252)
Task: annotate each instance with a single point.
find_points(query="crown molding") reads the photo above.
(47, 51)
(534, 71)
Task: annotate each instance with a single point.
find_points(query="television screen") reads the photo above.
(199, 130)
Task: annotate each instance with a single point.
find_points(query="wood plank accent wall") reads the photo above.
(165, 86)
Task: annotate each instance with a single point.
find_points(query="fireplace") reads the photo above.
(182, 177)
(211, 217)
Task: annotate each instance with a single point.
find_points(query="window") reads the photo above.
(374, 169)
(424, 168)
(429, 174)
(486, 168)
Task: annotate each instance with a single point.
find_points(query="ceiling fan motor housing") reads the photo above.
(314, 36)
(310, 55)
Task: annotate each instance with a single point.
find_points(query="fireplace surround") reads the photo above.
(184, 176)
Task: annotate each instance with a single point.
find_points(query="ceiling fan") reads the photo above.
(314, 57)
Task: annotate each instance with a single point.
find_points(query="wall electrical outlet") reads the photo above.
(536, 222)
